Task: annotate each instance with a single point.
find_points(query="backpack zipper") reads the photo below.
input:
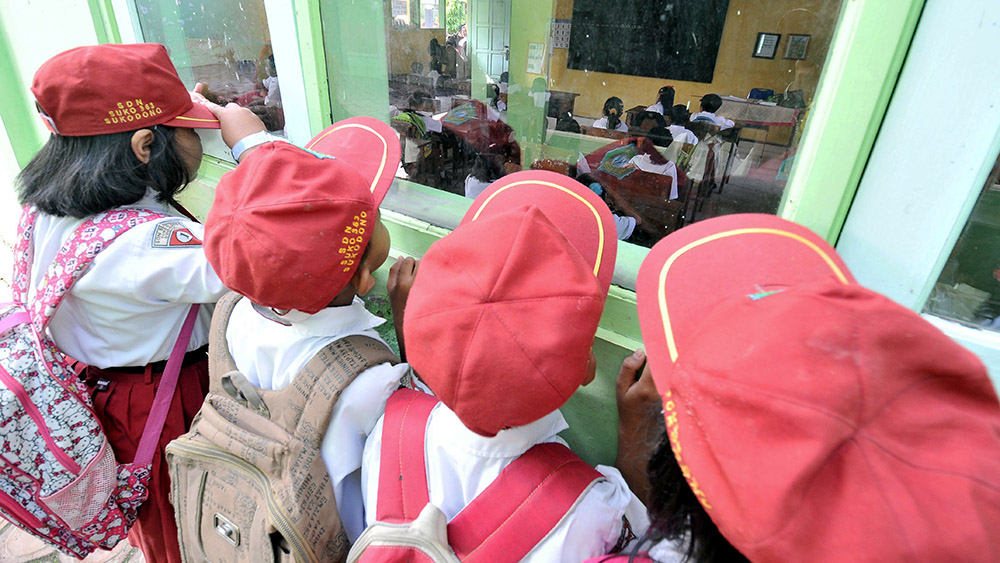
(184, 446)
(39, 420)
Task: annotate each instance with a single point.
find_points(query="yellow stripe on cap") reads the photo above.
(661, 285)
(593, 211)
(385, 147)
(197, 119)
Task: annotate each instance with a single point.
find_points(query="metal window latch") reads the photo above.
(225, 528)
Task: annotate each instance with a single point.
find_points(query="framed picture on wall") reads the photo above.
(797, 47)
(766, 45)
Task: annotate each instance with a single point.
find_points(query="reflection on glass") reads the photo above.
(222, 44)
(968, 290)
(668, 115)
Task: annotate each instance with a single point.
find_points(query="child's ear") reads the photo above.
(142, 144)
(363, 281)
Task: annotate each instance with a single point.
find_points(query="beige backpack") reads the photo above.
(248, 482)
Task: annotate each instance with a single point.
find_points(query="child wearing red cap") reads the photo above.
(122, 143)
(499, 325)
(298, 233)
(807, 418)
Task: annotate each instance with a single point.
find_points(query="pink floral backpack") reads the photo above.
(59, 479)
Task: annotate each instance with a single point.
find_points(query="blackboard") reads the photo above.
(676, 39)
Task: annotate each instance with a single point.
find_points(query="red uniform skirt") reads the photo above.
(122, 401)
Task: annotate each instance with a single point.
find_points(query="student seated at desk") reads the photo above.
(679, 119)
(664, 100)
(613, 109)
(710, 103)
(648, 120)
(624, 224)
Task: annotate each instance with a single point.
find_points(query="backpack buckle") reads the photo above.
(225, 528)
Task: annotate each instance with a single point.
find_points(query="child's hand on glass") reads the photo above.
(639, 421)
(237, 122)
(401, 276)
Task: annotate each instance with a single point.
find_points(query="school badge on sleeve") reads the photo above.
(172, 234)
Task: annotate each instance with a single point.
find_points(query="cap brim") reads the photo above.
(691, 271)
(574, 209)
(368, 145)
(198, 117)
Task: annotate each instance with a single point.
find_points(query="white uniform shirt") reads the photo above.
(643, 162)
(682, 134)
(461, 464)
(271, 355)
(657, 108)
(722, 122)
(602, 123)
(128, 308)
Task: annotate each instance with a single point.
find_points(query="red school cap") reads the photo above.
(814, 419)
(102, 89)
(289, 226)
(503, 312)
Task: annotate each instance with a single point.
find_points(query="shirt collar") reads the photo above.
(333, 320)
(511, 442)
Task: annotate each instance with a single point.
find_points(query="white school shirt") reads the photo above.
(128, 308)
(602, 123)
(643, 162)
(682, 134)
(270, 355)
(722, 122)
(657, 107)
(461, 464)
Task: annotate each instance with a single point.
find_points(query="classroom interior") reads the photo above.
(480, 88)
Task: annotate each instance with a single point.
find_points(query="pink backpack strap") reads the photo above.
(23, 254)
(402, 478)
(72, 260)
(522, 505)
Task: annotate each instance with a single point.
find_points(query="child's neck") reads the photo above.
(344, 298)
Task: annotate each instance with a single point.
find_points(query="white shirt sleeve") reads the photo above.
(594, 526)
(163, 265)
(354, 416)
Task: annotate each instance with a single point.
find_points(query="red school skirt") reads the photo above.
(122, 400)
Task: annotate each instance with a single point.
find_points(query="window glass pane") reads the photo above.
(968, 290)
(224, 45)
(577, 86)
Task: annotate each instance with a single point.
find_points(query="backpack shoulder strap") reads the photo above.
(303, 408)
(76, 254)
(402, 478)
(318, 386)
(522, 505)
(23, 254)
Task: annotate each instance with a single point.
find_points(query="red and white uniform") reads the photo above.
(128, 307)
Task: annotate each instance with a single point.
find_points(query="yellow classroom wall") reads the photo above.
(407, 44)
(736, 72)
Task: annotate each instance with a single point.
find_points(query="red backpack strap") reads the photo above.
(522, 505)
(75, 255)
(402, 478)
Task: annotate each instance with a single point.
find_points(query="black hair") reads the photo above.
(711, 103)
(660, 136)
(565, 122)
(644, 116)
(486, 168)
(613, 103)
(676, 515)
(666, 97)
(84, 176)
(679, 115)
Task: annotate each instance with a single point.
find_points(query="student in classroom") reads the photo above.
(613, 108)
(664, 100)
(679, 119)
(833, 425)
(710, 103)
(534, 251)
(264, 236)
(131, 146)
